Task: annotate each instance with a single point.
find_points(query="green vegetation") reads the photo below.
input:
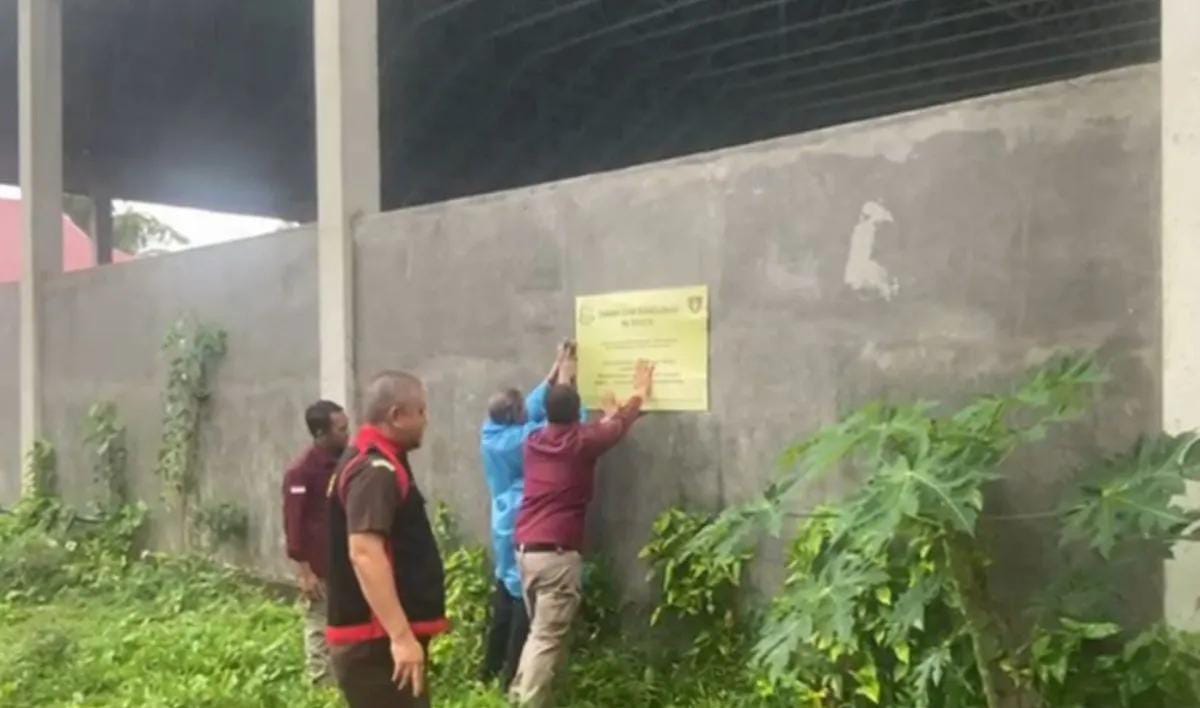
(133, 231)
(193, 350)
(104, 432)
(39, 476)
(885, 602)
(84, 622)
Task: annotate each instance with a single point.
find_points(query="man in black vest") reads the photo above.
(385, 586)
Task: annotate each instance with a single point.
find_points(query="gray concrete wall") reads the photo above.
(10, 457)
(104, 328)
(925, 254)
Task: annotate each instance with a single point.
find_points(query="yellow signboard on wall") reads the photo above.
(667, 327)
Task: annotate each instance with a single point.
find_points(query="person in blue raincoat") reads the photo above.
(510, 421)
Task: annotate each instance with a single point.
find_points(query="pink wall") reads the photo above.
(78, 252)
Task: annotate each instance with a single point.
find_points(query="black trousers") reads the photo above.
(364, 673)
(506, 637)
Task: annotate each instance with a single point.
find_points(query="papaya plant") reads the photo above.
(1134, 497)
(1125, 512)
(886, 601)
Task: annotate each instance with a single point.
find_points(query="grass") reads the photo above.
(230, 649)
(84, 624)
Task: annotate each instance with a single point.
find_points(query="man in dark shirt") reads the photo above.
(304, 523)
(386, 581)
(560, 465)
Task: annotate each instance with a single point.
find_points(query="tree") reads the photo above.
(134, 232)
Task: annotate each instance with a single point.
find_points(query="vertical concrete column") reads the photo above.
(102, 227)
(347, 92)
(39, 79)
(1181, 269)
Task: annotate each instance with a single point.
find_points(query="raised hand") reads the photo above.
(561, 354)
(568, 367)
(608, 404)
(643, 379)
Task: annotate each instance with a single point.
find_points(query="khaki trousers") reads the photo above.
(316, 652)
(552, 583)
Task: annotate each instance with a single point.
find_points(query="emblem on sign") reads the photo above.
(586, 316)
(695, 304)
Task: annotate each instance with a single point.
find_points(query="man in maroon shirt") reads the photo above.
(305, 511)
(560, 465)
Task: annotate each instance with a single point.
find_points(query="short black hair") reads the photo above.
(319, 417)
(562, 405)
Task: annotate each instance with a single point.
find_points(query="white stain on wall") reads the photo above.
(863, 272)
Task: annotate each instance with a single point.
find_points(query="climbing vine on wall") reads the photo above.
(39, 478)
(192, 349)
(105, 433)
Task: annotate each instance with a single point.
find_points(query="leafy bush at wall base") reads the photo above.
(1086, 664)
(607, 666)
(699, 591)
(886, 601)
(46, 548)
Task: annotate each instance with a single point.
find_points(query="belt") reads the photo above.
(544, 548)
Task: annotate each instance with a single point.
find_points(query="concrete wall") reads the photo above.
(926, 254)
(104, 328)
(10, 458)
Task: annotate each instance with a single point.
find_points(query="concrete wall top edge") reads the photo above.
(226, 250)
(1009, 112)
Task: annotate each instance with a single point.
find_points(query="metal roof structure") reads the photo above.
(209, 103)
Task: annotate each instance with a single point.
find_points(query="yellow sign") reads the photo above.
(667, 327)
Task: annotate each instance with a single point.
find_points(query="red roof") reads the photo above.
(78, 252)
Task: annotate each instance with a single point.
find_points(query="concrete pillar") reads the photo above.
(347, 93)
(39, 78)
(102, 227)
(1181, 269)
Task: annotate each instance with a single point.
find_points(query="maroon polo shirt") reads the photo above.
(306, 508)
(560, 466)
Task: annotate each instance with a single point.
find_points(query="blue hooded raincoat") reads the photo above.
(503, 450)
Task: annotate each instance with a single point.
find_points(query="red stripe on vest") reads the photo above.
(370, 439)
(354, 634)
